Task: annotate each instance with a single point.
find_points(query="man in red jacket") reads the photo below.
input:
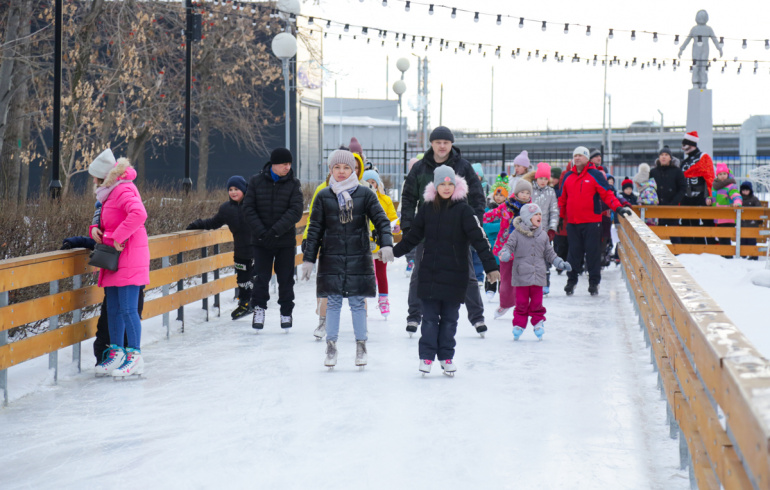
(580, 206)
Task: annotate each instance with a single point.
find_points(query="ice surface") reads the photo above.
(223, 406)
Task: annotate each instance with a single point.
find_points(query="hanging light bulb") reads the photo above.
(545, 57)
(521, 22)
(588, 31)
(739, 68)
(224, 17)
(700, 40)
(476, 17)
(626, 64)
(430, 10)
(430, 42)
(654, 37)
(339, 38)
(235, 5)
(676, 40)
(365, 31)
(611, 34)
(384, 3)
(721, 41)
(767, 43)
(497, 51)
(479, 47)
(529, 55)
(566, 28)
(543, 28)
(595, 60)
(537, 53)
(633, 35)
(499, 19)
(346, 28)
(408, 6)
(633, 62)
(454, 12)
(744, 45)
(253, 11)
(328, 24)
(310, 21)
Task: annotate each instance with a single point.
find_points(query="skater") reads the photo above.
(544, 196)
(478, 267)
(648, 190)
(628, 192)
(410, 255)
(448, 225)
(671, 184)
(492, 228)
(560, 241)
(372, 178)
(595, 157)
(441, 152)
(749, 201)
(583, 189)
(529, 250)
(725, 194)
(273, 206)
(521, 166)
(698, 169)
(321, 303)
(340, 230)
(555, 177)
(121, 225)
(506, 212)
(231, 214)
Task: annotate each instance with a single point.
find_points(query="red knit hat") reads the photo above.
(543, 170)
(627, 183)
(692, 136)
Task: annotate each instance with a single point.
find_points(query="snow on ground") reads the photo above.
(736, 285)
(224, 406)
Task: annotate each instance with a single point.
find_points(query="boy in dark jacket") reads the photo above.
(749, 200)
(231, 214)
(448, 225)
(339, 228)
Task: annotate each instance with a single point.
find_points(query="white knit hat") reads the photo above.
(643, 175)
(102, 164)
(581, 150)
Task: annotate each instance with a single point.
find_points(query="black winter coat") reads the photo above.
(231, 214)
(422, 174)
(448, 231)
(750, 201)
(273, 209)
(671, 183)
(345, 266)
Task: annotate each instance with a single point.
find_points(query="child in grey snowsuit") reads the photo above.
(544, 196)
(529, 248)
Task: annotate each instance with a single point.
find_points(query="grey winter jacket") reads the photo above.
(549, 205)
(528, 250)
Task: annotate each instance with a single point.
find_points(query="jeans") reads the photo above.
(439, 325)
(585, 238)
(102, 338)
(478, 267)
(282, 259)
(472, 295)
(358, 312)
(123, 316)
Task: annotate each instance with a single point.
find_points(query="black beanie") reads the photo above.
(281, 155)
(665, 149)
(238, 182)
(442, 133)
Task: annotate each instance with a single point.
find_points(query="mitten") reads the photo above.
(562, 264)
(551, 235)
(386, 254)
(504, 255)
(306, 270)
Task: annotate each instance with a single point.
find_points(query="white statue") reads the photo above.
(701, 34)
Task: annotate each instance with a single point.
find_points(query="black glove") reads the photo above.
(66, 244)
(404, 231)
(193, 226)
(624, 211)
(302, 246)
(561, 225)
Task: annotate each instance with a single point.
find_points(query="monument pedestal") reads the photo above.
(700, 118)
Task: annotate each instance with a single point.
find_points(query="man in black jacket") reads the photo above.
(273, 206)
(442, 152)
(671, 184)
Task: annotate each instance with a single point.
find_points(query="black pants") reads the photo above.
(244, 273)
(102, 339)
(696, 201)
(561, 246)
(489, 286)
(671, 222)
(439, 325)
(585, 238)
(282, 259)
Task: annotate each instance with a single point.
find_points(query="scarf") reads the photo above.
(343, 190)
(102, 193)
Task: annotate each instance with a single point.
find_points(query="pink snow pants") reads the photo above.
(507, 291)
(529, 303)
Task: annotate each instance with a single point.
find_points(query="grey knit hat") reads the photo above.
(643, 175)
(102, 164)
(443, 174)
(528, 211)
(344, 157)
(522, 185)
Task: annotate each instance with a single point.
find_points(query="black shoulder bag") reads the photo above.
(104, 256)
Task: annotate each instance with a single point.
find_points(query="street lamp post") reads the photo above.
(399, 87)
(660, 137)
(54, 187)
(284, 46)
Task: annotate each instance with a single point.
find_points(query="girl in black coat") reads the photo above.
(449, 226)
(231, 214)
(339, 228)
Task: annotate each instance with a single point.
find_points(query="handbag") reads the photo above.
(104, 256)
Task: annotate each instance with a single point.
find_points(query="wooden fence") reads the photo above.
(708, 214)
(716, 383)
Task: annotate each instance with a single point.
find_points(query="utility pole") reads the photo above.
(188, 36)
(660, 137)
(54, 187)
(441, 107)
(492, 104)
(604, 97)
(609, 136)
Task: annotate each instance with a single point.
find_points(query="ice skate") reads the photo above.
(331, 354)
(409, 268)
(361, 356)
(384, 306)
(320, 331)
(411, 328)
(546, 290)
(593, 289)
(539, 329)
(112, 359)
(490, 296)
(517, 331)
(425, 365)
(241, 311)
(448, 367)
(500, 312)
(132, 365)
(481, 328)
(569, 288)
(258, 320)
(286, 323)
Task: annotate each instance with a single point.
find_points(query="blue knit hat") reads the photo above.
(238, 182)
(373, 175)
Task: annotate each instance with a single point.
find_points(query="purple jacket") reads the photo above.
(122, 221)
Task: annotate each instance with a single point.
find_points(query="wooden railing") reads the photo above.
(710, 213)
(716, 383)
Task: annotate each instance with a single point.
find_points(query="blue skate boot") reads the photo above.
(540, 330)
(517, 331)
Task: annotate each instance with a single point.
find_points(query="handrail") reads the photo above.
(716, 383)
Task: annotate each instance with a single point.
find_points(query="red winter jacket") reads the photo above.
(582, 195)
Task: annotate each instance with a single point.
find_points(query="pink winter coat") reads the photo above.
(506, 216)
(122, 221)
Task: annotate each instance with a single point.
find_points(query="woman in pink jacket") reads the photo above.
(121, 225)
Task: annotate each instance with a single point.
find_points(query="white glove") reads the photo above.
(387, 254)
(504, 255)
(493, 277)
(307, 269)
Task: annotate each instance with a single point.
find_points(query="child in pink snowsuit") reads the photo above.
(528, 248)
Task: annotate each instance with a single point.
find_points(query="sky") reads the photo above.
(535, 94)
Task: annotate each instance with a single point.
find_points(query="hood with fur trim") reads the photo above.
(460, 193)
(519, 226)
(122, 173)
